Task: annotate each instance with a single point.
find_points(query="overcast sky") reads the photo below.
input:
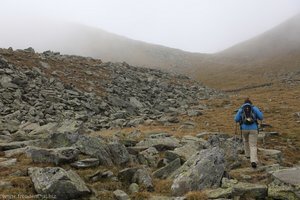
(204, 26)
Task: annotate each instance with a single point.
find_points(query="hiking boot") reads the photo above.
(253, 165)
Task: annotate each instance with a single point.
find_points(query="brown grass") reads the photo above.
(107, 195)
(162, 186)
(140, 195)
(107, 185)
(196, 195)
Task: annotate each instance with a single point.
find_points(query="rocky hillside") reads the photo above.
(78, 128)
(52, 88)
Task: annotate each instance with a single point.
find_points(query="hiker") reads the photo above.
(247, 116)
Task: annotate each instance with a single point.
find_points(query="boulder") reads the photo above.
(100, 175)
(8, 163)
(58, 182)
(121, 195)
(286, 184)
(203, 170)
(56, 140)
(167, 170)
(126, 175)
(86, 163)
(276, 154)
(219, 193)
(149, 157)
(184, 152)
(290, 176)
(15, 145)
(95, 147)
(249, 190)
(161, 143)
(133, 188)
(143, 177)
(137, 175)
(118, 153)
(57, 156)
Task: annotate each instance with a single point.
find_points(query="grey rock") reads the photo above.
(58, 182)
(167, 170)
(143, 177)
(133, 188)
(136, 103)
(86, 163)
(44, 130)
(194, 113)
(127, 174)
(14, 152)
(56, 156)
(163, 143)
(249, 190)
(150, 155)
(95, 147)
(119, 153)
(14, 145)
(290, 176)
(121, 195)
(69, 126)
(56, 140)
(184, 152)
(8, 163)
(286, 184)
(276, 154)
(203, 170)
(29, 50)
(97, 176)
(219, 193)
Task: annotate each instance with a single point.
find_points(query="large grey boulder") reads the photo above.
(272, 153)
(56, 140)
(143, 177)
(86, 163)
(232, 147)
(167, 170)
(184, 152)
(15, 145)
(286, 184)
(139, 175)
(149, 157)
(119, 153)
(56, 156)
(160, 143)
(249, 190)
(8, 163)
(203, 170)
(121, 195)
(108, 154)
(58, 183)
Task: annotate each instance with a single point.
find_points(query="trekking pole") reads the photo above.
(235, 132)
(235, 142)
(264, 136)
(241, 132)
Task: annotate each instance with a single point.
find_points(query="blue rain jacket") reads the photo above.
(258, 114)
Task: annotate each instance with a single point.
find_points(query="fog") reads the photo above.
(205, 26)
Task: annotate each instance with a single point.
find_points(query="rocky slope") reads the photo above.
(55, 109)
(83, 92)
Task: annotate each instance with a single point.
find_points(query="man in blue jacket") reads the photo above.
(247, 116)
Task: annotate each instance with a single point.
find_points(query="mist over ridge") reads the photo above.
(280, 43)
